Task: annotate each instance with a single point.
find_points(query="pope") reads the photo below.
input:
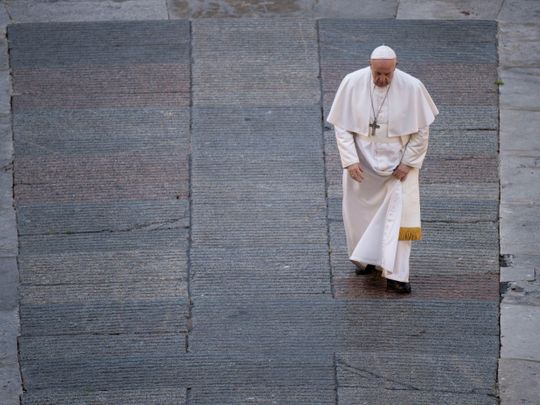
(381, 117)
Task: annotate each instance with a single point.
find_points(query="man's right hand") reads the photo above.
(355, 171)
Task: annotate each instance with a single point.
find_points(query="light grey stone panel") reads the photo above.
(449, 9)
(86, 10)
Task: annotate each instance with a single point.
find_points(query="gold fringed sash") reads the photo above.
(410, 233)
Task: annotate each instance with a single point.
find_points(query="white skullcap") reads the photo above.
(383, 52)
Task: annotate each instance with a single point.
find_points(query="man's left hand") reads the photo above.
(401, 171)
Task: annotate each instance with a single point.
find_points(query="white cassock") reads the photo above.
(381, 214)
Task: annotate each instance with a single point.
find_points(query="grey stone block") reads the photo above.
(300, 395)
(417, 372)
(9, 281)
(101, 131)
(520, 267)
(442, 247)
(255, 62)
(451, 171)
(136, 175)
(239, 8)
(99, 35)
(519, 11)
(256, 272)
(519, 225)
(105, 217)
(518, 44)
(86, 10)
(381, 396)
(6, 189)
(128, 396)
(6, 142)
(519, 131)
(89, 59)
(523, 292)
(355, 9)
(106, 308)
(10, 379)
(4, 63)
(136, 78)
(350, 41)
(4, 20)
(89, 363)
(148, 264)
(520, 88)
(278, 324)
(135, 240)
(517, 273)
(519, 331)
(518, 381)
(517, 175)
(459, 327)
(449, 9)
(5, 92)
(8, 230)
(69, 101)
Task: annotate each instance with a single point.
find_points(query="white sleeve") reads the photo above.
(416, 149)
(346, 147)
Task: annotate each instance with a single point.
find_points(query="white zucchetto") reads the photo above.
(383, 52)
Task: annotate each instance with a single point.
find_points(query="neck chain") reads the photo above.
(374, 125)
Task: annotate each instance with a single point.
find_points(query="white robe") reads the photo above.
(372, 209)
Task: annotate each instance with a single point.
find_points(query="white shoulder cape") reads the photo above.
(410, 106)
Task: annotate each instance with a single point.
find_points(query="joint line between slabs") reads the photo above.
(323, 150)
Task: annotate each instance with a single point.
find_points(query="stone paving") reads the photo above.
(158, 265)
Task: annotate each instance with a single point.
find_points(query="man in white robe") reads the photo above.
(381, 117)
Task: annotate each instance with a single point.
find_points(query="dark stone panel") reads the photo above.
(68, 101)
(103, 362)
(80, 363)
(256, 272)
(101, 55)
(109, 34)
(278, 324)
(442, 41)
(364, 395)
(105, 317)
(419, 375)
(298, 395)
(467, 170)
(255, 62)
(481, 287)
(89, 131)
(95, 217)
(463, 143)
(105, 177)
(237, 224)
(148, 264)
(459, 210)
(128, 396)
(449, 84)
(445, 248)
(418, 326)
(464, 117)
(298, 323)
(130, 79)
(134, 240)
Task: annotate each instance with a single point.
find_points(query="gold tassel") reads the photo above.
(410, 234)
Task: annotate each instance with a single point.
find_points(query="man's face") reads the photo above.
(382, 71)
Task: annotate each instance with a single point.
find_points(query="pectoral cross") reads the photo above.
(374, 126)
